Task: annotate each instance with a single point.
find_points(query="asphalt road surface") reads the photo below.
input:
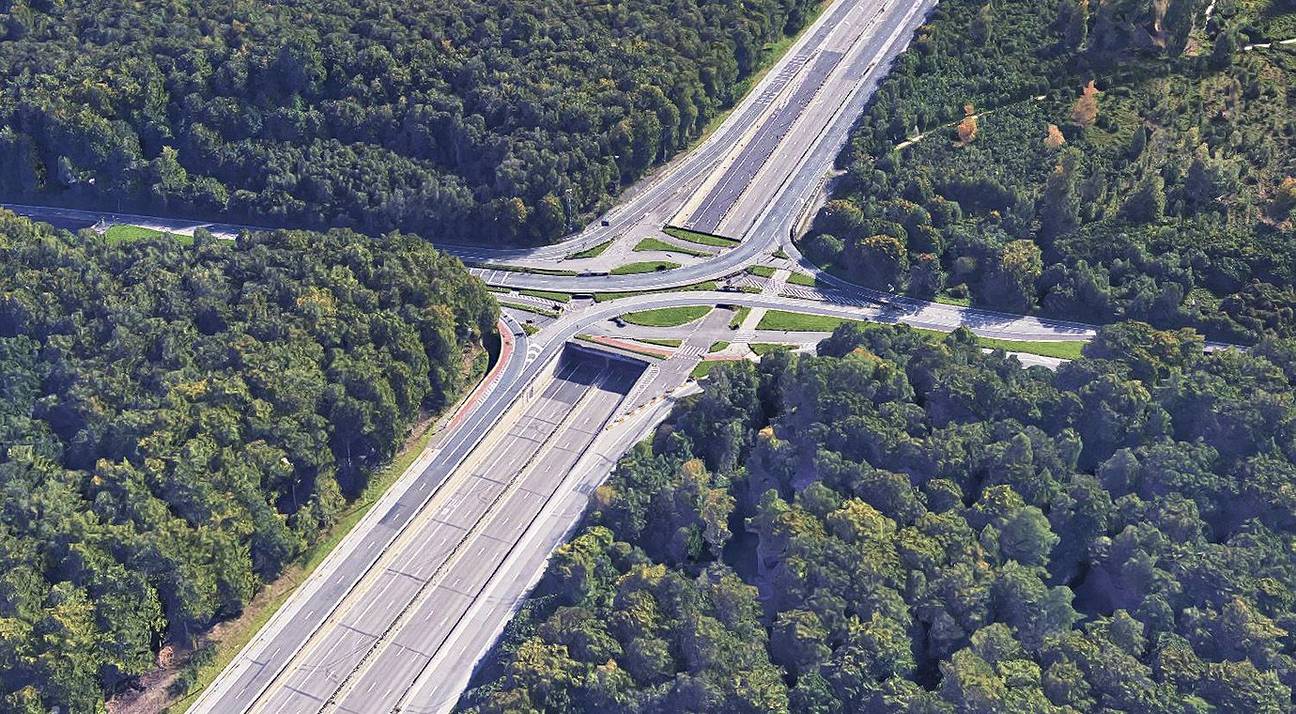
(268, 653)
(366, 655)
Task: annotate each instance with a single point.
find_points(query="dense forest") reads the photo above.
(483, 120)
(900, 525)
(178, 422)
(1096, 161)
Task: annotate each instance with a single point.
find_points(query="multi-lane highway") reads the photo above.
(395, 618)
(755, 173)
(366, 654)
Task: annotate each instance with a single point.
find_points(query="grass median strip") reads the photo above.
(547, 295)
(660, 341)
(656, 244)
(763, 271)
(593, 252)
(649, 266)
(801, 322)
(712, 240)
(739, 315)
(604, 297)
(802, 279)
(667, 316)
(720, 346)
(517, 269)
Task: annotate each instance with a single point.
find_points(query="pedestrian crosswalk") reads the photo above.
(691, 350)
(836, 297)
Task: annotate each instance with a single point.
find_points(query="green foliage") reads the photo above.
(1146, 161)
(179, 422)
(897, 524)
(487, 121)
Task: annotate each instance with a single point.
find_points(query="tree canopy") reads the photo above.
(178, 422)
(900, 525)
(1127, 161)
(492, 121)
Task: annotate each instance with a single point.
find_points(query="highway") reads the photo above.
(866, 33)
(370, 650)
(397, 615)
(282, 670)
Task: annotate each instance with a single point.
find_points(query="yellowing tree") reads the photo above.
(1085, 111)
(967, 129)
(1054, 140)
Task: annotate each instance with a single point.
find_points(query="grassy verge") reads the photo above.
(529, 328)
(798, 322)
(530, 308)
(720, 346)
(256, 615)
(1061, 350)
(660, 341)
(667, 316)
(604, 297)
(703, 368)
(764, 348)
(644, 267)
(739, 315)
(802, 279)
(594, 252)
(945, 299)
(763, 271)
(651, 244)
(547, 295)
(700, 238)
(129, 234)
